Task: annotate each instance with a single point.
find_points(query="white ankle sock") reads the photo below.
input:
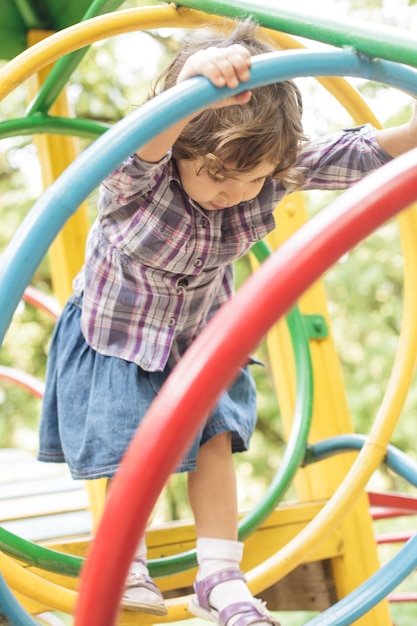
(214, 555)
(139, 563)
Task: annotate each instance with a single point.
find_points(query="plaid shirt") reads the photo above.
(158, 266)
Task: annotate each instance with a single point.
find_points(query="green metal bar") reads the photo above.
(296, 446)
(63, 68)
(45, 558)
(297, 442)
(374, 40)
(28, 14)
(41, 124)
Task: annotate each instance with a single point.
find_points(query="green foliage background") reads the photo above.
(364, 289)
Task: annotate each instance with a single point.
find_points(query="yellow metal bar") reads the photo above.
(359, 557)
(95, 29)
(66, 254)
(90, 31)
(28, 584)
(331, 415)
(55, 154)
(374, 450)
(275, 532)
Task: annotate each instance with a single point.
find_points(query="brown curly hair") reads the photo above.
(266, 129)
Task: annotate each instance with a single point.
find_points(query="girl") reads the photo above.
(171, 221)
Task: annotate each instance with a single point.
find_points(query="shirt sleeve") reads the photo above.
(134, 178)
(338, 161)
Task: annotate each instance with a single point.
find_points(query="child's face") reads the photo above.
(214, 194)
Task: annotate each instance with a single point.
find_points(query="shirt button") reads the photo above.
(171, 321)
(198, 262)
(204, 222)
(183, 282)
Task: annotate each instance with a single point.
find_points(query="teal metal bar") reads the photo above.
(374, 40)
(380, 584)
(395, 459)
(372, 591)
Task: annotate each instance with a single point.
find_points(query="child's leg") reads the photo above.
(212, 490)
(220, 586)
(141, 593)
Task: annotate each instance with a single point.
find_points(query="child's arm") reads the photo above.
(400, 139)
(224, 67)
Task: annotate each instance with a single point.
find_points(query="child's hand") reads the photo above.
(224, 67)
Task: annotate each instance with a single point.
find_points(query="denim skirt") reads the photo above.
(94, 403)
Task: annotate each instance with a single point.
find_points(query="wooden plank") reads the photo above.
(54, 484)
(7, 454)
(18, 465)
(284, 524)
(309, 587)
(40, 501)
(44, 504)
(52, 527)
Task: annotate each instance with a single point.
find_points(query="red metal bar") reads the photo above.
(41, 301)
(391, 500)
(393, 537)
(404, 596)
(22, 379)
(211, 364)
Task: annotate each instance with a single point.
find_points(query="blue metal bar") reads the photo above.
(328, 447)
(372, 591)
(11, 610)
(61, 199)
(378, 586)
(397, 461)
(402, 465)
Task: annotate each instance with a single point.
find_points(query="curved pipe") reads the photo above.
(382, 41)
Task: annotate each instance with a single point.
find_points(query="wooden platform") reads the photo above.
(40, 502)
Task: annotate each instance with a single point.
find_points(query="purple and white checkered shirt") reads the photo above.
(158, 266)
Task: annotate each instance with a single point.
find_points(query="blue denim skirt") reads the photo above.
(94, 403)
